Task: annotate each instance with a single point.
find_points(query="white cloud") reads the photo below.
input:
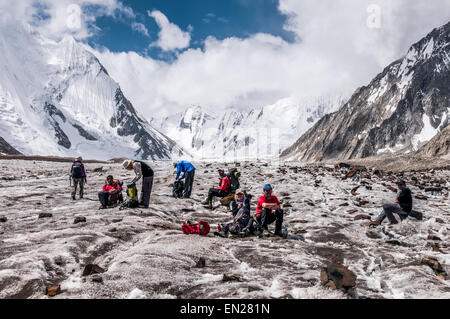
(171, 37)
(139, 27)
(76, 17)
(336, 52)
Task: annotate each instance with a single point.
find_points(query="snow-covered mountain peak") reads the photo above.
(56, 98)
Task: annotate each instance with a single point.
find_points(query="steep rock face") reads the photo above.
(398, 112)
(7, 149)
(439, 146)
(56, 98)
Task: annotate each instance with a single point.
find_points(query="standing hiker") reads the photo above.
(402, 207)
(188, 171)
(222, 191)
(142, 170)
(269, 210)
(78, 176)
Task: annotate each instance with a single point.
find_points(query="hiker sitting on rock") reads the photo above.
(188, 171)
(402, 206)
(78, 176)
(142, 170)
(109, 195)
(241, 200)
(222, 191)
(268, 211)
(242, 223)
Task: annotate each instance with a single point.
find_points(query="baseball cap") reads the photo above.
(401, 182)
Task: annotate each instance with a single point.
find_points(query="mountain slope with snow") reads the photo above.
(398, 112)
(234, 134)
(56, 98)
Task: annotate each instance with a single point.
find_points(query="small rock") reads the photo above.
(344, 205)
(92, 269)
(438, 220)
(227, 278)
(373, 234)
(352, 211)
(392, 189)
(45, 215)
(97, 279)
(53, 290)
(3, 219)
(362, 217)
(201, 263)
(434, 237)
(98, 169)
(421, 197)
(113, 230)
(117, 220)
(434, 264)
(363, 202)
(254, 288)
(337, 276)
(79, 220)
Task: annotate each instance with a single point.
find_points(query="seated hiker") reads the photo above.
(110, 193)
(78, 176)
(269, 210)
(144, 172)
(188, 171)
(241, 200)
(242, 223)
(222, 191)
(402, 207)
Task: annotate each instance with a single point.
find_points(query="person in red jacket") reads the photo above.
(110, 193)
(222, 191)
(269, 210)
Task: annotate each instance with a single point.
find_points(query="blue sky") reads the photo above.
(218, 18)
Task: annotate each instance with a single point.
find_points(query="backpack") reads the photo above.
(202, 228)
(178, 188)
(234, 176)
(77, 170)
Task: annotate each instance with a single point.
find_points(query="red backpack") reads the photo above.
(202, 228)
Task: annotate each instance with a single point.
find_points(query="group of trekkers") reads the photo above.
(268, 210)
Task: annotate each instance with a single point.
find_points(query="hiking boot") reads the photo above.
(279, 233)
(221, 234)
(102, 207)
(205, 202)
(73, 197)
(143, 206)
(244, 233)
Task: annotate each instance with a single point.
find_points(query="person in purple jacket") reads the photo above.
(78, 176)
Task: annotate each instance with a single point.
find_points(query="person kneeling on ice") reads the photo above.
(188, 171)
(222, 191)
(268, 211)
(142, 170)
(242, 223)
(109, 195)
(402, 207)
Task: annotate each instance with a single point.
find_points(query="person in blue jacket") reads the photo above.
(188, 171)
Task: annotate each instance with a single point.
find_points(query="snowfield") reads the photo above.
(146, 255)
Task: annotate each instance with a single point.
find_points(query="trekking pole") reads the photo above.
(70, 181)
